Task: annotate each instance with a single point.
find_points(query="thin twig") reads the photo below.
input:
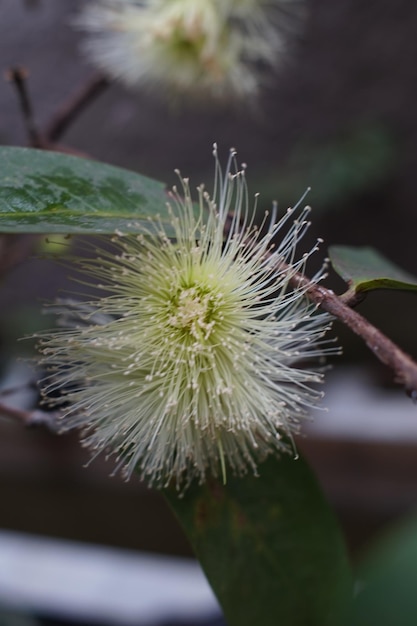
(70, 110)
(403, 366)
(18, 77)
(64, 116)
(35, 417)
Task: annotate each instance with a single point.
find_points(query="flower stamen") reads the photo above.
(193, 363)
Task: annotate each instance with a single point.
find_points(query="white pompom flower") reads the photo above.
(190, 361)
(196, 47)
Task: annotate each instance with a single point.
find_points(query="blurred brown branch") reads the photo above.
(76, 103)
(47, 419)
(65, 115)
(17, 76)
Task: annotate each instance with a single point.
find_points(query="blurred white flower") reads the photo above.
(195, 47)
(193, 360)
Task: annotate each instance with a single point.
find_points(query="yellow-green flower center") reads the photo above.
(192, 311)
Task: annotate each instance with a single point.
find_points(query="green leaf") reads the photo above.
(48, 192)
(270, 546)
(386, 580)
(365, 269)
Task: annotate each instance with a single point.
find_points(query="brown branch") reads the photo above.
(17, 76)
(403, 366)
(70, 110)
(35, 417)
(62, 119)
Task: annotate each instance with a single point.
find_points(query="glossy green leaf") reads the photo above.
(270, 546)
(49, 192)
(365, 269)
(386, 580)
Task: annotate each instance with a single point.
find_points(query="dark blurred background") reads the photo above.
(339, 115)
